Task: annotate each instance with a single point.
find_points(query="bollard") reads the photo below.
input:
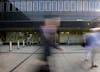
(23, 43)
(10, 45)
(18, 44)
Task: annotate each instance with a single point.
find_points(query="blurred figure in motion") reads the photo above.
(48, 31)
(92, 45)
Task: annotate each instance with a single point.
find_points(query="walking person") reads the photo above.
(48, 31)
(92, 45)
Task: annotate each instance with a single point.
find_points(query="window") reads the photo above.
(47, 6)
(35, 5)
(1, 7)
(10, 7)
(17, 5)
(14, 7)
(60, 5)
(7, 6)
(29, 5)
(41, 6)
(67, 6)
(54, 5)
(97, 6)
(79, 5)
(73, 5)
(91, 5)
(85, 5)
(23, 5)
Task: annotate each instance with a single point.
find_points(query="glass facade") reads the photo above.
(37, 10)
(28, 10)
(51, 5)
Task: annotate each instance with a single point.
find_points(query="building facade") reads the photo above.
(26, 16)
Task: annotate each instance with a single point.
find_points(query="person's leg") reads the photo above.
(93, 54)
(88, 54)
(46, 53)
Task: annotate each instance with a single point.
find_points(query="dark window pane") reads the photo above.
(10, 7)
(5, 7)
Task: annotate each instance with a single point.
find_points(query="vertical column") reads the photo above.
(18, 43)
(10, 45)
(23, 43)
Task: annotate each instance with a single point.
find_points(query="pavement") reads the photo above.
(26, 59)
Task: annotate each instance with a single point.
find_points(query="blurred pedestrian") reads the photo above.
(92, 45)
(48, 31)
